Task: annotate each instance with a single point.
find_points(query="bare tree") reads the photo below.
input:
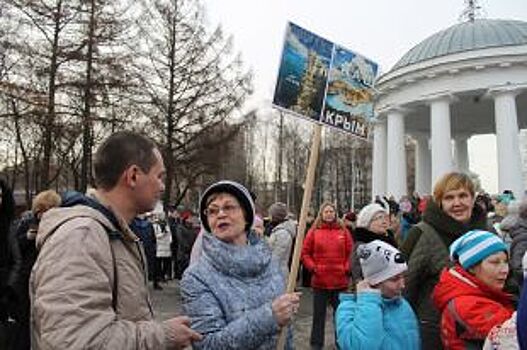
(104, 33)
(73, 71)
(190, 78)
(50, 45)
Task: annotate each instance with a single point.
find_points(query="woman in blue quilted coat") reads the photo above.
(234, 294)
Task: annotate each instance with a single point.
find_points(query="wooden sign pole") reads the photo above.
(306, 200)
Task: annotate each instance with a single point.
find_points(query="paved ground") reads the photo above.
(167, 303)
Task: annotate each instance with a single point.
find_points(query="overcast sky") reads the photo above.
(382, 30)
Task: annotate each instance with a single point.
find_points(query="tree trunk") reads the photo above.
(87, 139)
(50, 118)
(27, 176)
(280, 156)
(169, 153)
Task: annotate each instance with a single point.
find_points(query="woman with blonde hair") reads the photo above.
(448, 215)
(326, 253)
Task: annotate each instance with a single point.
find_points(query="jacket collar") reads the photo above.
(361, 234)
(447, 226)
(456, 282)
(248, 261)
(329, 225)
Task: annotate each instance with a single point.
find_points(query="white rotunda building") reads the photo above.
(468, 79)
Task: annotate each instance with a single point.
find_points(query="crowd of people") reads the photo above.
(444, 271)
(167, 241)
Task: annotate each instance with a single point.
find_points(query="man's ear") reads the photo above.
(130, 175)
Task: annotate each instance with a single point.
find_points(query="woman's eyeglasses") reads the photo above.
(379, 217)
(227, 210)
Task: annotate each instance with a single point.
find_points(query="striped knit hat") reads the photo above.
(475, 246)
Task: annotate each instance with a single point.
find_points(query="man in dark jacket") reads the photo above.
(143, 228)
(8, 259)
(185, 235)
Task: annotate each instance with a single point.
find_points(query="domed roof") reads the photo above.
(479, 34)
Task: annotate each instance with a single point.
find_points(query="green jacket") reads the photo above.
(427, 248)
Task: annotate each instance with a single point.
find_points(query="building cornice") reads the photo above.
(503, 57)
(507, 88)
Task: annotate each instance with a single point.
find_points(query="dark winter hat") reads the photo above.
(350, 216)
(235, 189)
(278, 211)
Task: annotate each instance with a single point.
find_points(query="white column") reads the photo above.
(509, 158)
(423, 166)
(379, 159)
(461, 154)
(396, 162)
(440, 138)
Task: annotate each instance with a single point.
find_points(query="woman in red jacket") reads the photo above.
(470, 295)
(326, 253)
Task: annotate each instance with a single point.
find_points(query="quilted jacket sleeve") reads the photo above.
(359, 321)
(251, 329)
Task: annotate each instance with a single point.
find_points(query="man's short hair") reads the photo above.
(117, 153)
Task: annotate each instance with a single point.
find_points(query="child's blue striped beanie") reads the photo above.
(475, 246)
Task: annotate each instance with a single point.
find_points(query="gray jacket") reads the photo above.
(281, 243)
(228, 292)
(518, 247)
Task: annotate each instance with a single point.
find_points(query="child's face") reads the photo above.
(392, 287)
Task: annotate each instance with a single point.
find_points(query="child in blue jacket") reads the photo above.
(378, 317)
